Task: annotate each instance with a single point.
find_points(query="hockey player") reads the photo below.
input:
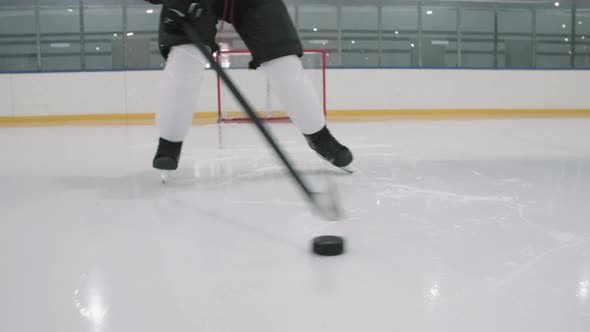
(269, 34)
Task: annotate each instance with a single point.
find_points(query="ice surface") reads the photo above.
(450, 226)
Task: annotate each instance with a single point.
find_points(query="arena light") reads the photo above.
(557, 4)
(396, 32)
(429, 12)
(59, 45)
(149, 11)
(563, 26)
(315, 29)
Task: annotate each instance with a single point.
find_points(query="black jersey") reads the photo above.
(264, 25)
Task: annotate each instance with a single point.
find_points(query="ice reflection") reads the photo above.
(433, 292)
(89, 302)
(583, 290)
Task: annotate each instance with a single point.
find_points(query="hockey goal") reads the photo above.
(256, 88)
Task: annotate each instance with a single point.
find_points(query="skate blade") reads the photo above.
(348, 169)
(326, 206)
(164, 176)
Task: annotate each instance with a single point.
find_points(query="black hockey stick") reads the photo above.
(325, 203)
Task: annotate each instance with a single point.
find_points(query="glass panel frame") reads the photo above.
(61, 37)
(104, 43)
(122, 34)
(477, 36)
(18, 38)
(440, 42)
(319, 28)
(553, 37)
(582, 37)
(400, 33)
(515, 45)
(143, 51)
(359, 26)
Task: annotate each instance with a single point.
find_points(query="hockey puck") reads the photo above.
(328, 245)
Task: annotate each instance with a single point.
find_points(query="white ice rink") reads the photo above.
(451, 226)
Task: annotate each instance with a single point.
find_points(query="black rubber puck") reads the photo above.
(328, 245)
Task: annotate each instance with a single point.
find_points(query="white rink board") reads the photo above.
(347, 89)
(5, 96)
(69, 93)
(458, 89)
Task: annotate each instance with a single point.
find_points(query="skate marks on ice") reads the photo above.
(522, 203)
(199, 176)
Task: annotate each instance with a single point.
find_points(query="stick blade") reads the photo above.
(327, 205)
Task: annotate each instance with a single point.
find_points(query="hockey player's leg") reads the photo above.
(180, 87)
(181, 83)
(269, 33)
(296, 93)
(303, 105)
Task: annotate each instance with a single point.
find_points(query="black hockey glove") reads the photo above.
(178, 11)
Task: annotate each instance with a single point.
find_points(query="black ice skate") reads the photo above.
(330, 149)
(167, 157)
